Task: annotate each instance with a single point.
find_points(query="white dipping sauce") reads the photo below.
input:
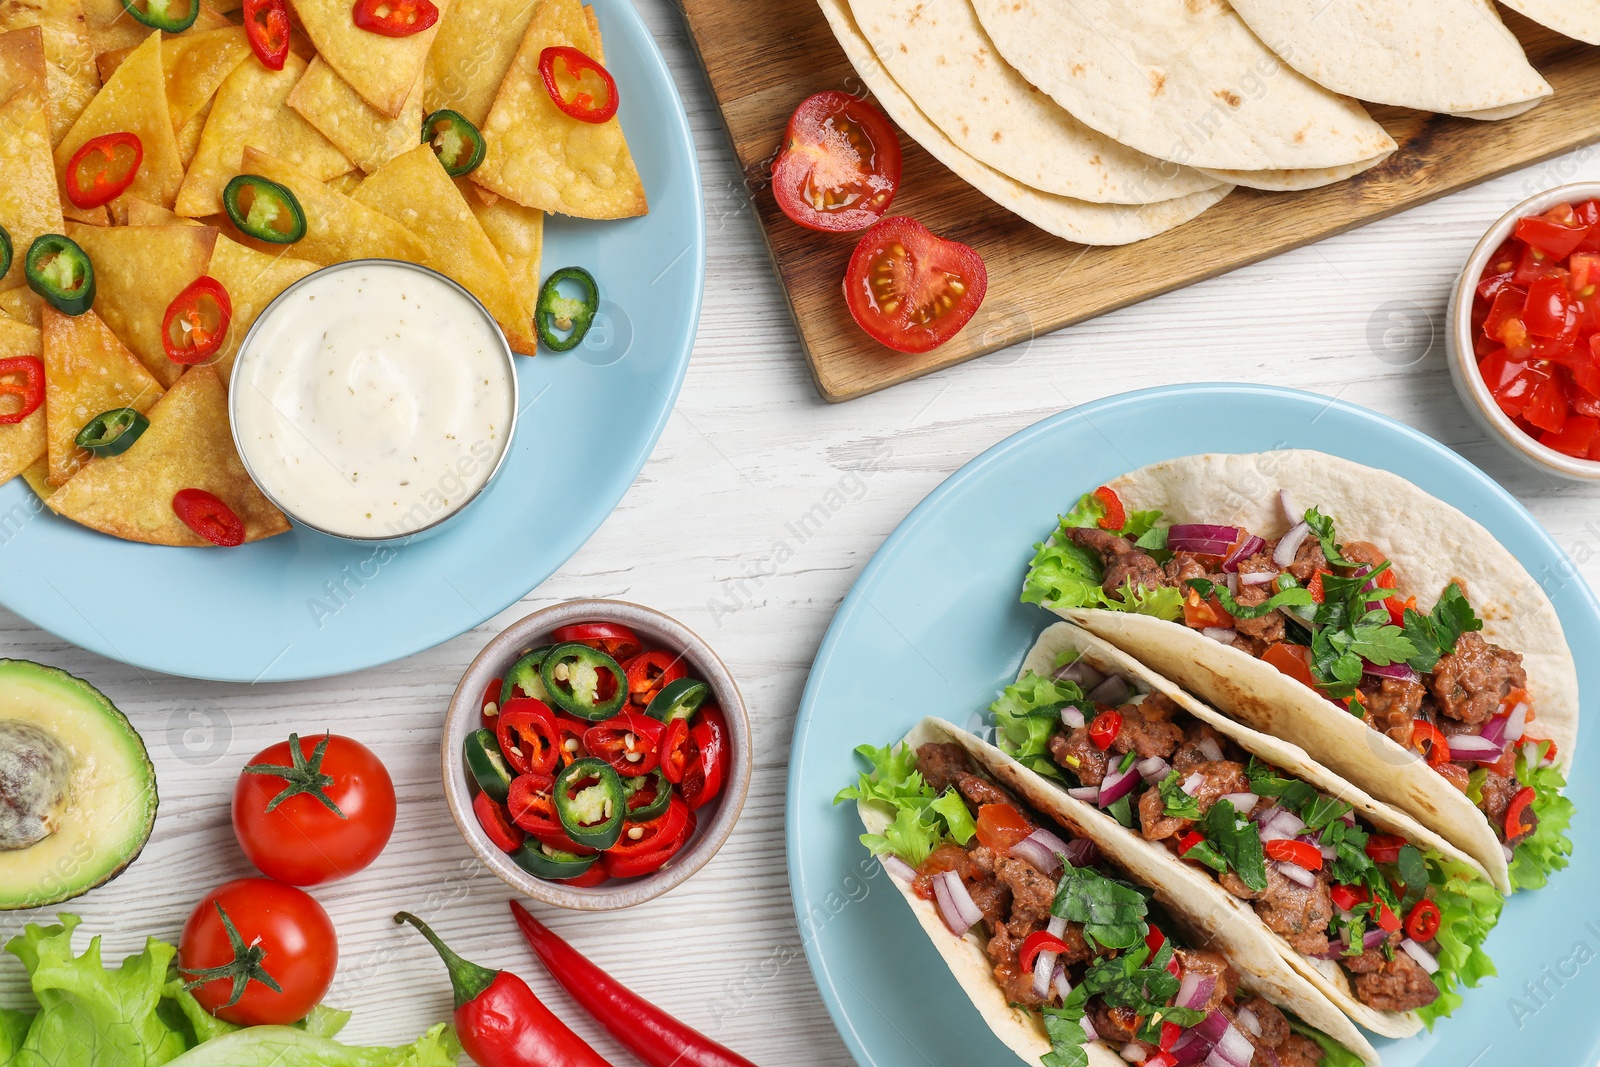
(372, 400)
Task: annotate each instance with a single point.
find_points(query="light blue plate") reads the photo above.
(306, 606)
(934, 626)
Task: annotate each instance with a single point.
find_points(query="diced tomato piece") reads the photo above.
(1346, 897)
(1388, 921)
(1000, 826)
(1576, 437)
(1385, 848)
(1290, 660)
(1550, 310)
(1583, 273)
(1501, 270)
(1508, 304)
(1199, 614)
(1552, 238)
(1547, 407)
(1534, 265)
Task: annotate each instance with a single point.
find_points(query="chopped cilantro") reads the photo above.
(1322, 811)
(1237, 841)
(1122, 811)
(1435, 634)
(1292, 596)
(1064, 1026)
(1112, 913)
(1290, 792)
(1322, 529)
(1176, 803)
(1139, 983)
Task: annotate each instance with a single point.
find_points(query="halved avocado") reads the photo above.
(55, 844)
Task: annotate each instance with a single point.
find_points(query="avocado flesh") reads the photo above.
(111, 797)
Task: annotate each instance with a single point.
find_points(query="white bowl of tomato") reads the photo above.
(1524, 331)
(596, 754)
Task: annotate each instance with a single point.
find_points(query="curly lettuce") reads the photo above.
(1545, 851)
(1028, 714)
(1065, 575)
(922, 818)
(1469, 907)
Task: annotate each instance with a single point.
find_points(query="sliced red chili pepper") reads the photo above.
(1189, 841)
(1116, 516)
(662, 839)
(106, 165)
(1515, 827)
(208, 517)
(572, 731)
(1346, 897)
(1163, 1059)
(1170, 1032)
(1105, 728)
(266, 27)
(395, 18)
(1154, 940)
(594, 876)
(1300, 853)
(705, 778)
(489, 706)
(649, 671)
(196, 322)
(23, 378)
(1385, 848)
(612, 638)
(594, 90)
(678, 751)
(529, 738)
(630, 742)
(1425, 733)
(1035, 943)
(502, 833)
(1423, 922)
(532, 806)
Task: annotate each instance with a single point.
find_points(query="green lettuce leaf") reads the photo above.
(1064, 575)
(287, 1046)
(1468, 909)
(922, 818)
(1333, 1053)
(1547, 848)
(1028, 714)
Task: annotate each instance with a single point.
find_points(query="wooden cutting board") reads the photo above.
(765, 56)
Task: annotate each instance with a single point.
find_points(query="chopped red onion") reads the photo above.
(1044, 969)
(1510, 855)
(1221, 634)
(1153, 770)
(898, 869)
(1250, 546)
(1262, 816)
(1474, 748)
(1082, 853)
(1247, 1018)
(1233, 583)
(1494, 730)
(1297, 874)
(1117, 785)
(1292, 511)
(1071, 717)
(1114, 691)
(1195, 990)
(1052, 844)
(1190, 1049)
(1193, 782)
(1289, 547)
(1060, 984)
(1398, 671)
(1243, 803)
(1212, 1027)
(1089, 1032)
(1373, 938)
(1080, 672)
(1203, 538)
(1089, 793)
(1256, 578)
(1517, 722)
(956, 906)
(1234, 1047)
(1424, 958)
(1286, 822)
(1035, 855)
(1133, 1052)
(1209, 748)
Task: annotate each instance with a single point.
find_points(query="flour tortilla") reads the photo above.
(1578, 19)
(1065, 217)
(1237, 937)
(1447, 56)
(1430, 544)
(1065, 639)
(1183, 80)
(938, 53)
(1288, 181)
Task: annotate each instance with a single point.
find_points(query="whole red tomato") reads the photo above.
(307, 813)
(250, 929)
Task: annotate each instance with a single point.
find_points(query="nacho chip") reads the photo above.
(86, 371)
(188, 446)
(144, 213)
(382, 69)
(249, 109)
(359, 130)
(21, 443)
(415, 191)
(111, 28)
(38, 479)
(543, 158)
(196, 64)
(189, 135)
(70, 78)
(135, 99)
(21, 305)
(476, 43)
(337, 228)
(517, 233)
(22, 66)
(29, 205)
(252, 279)
(138, 271)
(345, 183)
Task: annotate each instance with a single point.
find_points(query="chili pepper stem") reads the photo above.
(467, 979)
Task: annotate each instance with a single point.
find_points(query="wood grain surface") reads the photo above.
(764, 56)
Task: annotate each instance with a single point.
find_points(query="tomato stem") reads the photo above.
(304, 777)
(247, 965)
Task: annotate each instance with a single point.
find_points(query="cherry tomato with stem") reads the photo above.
(258, 953)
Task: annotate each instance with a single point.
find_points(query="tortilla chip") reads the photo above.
(188, 446)
(38, 478)
(415, 191)
(86, 371)
(70, 78)
(21, 305)
(21, 443)
(111, 28)
(252, 279)
(196, 64)
(476, 43)
(23, 67)
(345, 183)
(249, 109)
(29, 202)
(337, 228)
(139, 270)
(382, 69)
(517, 233)
(359, 130)
(543, 158)
(135, 99)
(189, 135)
(144, 213)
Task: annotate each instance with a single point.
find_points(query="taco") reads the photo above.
(1078, 950)
(1345, 610)
(1381, 914)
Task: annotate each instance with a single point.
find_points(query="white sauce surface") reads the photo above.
(373, 400)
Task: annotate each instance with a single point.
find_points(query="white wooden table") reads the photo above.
(750, 449)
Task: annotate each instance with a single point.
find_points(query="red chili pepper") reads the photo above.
(659, 840)
(1515, 827)
(644, 1029)
(395, 18)
(583, 106)
(106, 165)
(1385, 848)
(612, 638)
(208, 517)
(266, 27)
(678, 750)
(29, 390)
(1170, 1032)
(1426, 733)
(594, 876)
(529, 738)
(1105, 728)
(196, 322)
(501, 831)
(1423, 922)
(489, 706)
(649, 672)
(1300, 853)
(1116, 516)
(531, 804)
(572, 731)
(1035, 943)
(705, 778)
(1154, 940)
(1189, 841)
(1162, 1059)
(631, 743)
(500, 1022)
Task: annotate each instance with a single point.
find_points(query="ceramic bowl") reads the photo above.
(1463, 360)
(716, 820)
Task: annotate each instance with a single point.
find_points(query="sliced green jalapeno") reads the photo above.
(678, 700)
(111, 433)
(456, 142)
(487, 766)
(542, 861)
(61, 273)
(556, 312)
(648, 795)
(169, 16)
(590, 803)
(6, 251)
(264, 209)
(584, 681)
(523, 680)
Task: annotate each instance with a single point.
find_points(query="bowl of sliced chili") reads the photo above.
(1524, 331)
(596, 754)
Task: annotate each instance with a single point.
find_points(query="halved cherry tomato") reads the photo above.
(1515, 826)
(1423, 922)
(529, 738)
(1105, 728)
(839, 165)
(612, 638)
(1035, 943)
(659, 840)
(196, 322)
(1116, 516)
(678, 750)
(1290, 660)
(1300, 853)
(631, 743)
(1426, 733)
(208, 517)
(593, 90)
(106, 165)
(1000, 826)
(649, 672)
(21, 377)
(395, 18)
(704, 780)
(912, 290)
(503, 834)
(489, 706)
(266, 27)
(1385, 848)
